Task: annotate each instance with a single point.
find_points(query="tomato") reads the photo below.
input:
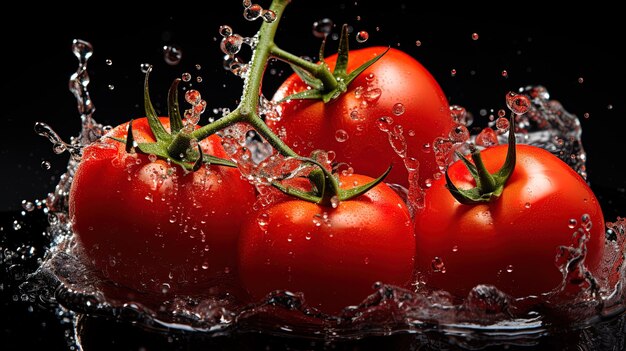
(151, 226)
(397, 87)
(513, 241)
(333, 256)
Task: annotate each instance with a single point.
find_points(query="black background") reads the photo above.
(535, 46)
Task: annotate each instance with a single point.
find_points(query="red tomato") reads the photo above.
(396, 86)
(152, 226)
(333, 256)
(513, 241)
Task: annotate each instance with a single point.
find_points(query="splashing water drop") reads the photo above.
(341, 135)
(252, 12)
(487, 137)
(172, 55)
(231, 45)
(398, 109)
(384, 123)
(225, 31)
(322, 28)
(268, 16)
(437, 265)
(453, 72)
(502, 124)
(186, 77)
(474, 36)
(108, 62)
(145, 67)
(518, 103)
(362, 36)
(46, 165)
(418, 43)
(459, 134)
(505, 74)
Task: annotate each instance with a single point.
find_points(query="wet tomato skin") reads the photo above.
(512, 242)
(334, 256)
(397, 87)
(153, 227)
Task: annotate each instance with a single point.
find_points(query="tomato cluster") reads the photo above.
(159, 225)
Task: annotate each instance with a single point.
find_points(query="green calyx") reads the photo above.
(342, 79)
(488, 186)
(325, 187)
(174, 146)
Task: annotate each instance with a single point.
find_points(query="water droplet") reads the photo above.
(501, 113)
(437, 265)
(453, 72)
(173, 218)
(165, 288)
(145, 67)
(509, 268)
(252, 12)
(231, 45)
(111, 87)
(225, 31)
(502, 124)
(372, 95)
(474, 36)
(193, 96)
(263, 220)
(581, 80)
(455, 248)
(269, 16)
(17, 225)
(205, 265)
(186, 77)
(341, 135)
(366, 260)
(505, 74)
(398, 109)
(28, 206)
(334, 201)
(586, 115)
(45, 165)
(384, 123)
(527, 205)
(322, 28)
(518, 103)
(108, 62)
(199, 79)
(362, 36)
(459, 134)
(572, 223)
(172, 54)
(487, 137)
(418, 43)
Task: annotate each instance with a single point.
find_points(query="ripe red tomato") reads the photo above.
(398, 87)
(153, 227)
(513, 241)
(333, 256)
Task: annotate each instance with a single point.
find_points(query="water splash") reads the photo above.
(548, 125)
(63, 277)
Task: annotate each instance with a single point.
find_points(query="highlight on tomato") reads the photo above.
(157, 224)
(331, 244)
(515, 217)
(386, 108)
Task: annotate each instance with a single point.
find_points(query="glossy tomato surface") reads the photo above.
(512, 242)
(151, 226)
(334, 256)
(397, 88)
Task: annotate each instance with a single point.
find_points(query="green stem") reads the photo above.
(319, 71)
(487, 181)
(179, 145)
(219, 124)
(247, 109)
(273, 139)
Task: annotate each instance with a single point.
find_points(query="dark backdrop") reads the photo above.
(535, 46)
